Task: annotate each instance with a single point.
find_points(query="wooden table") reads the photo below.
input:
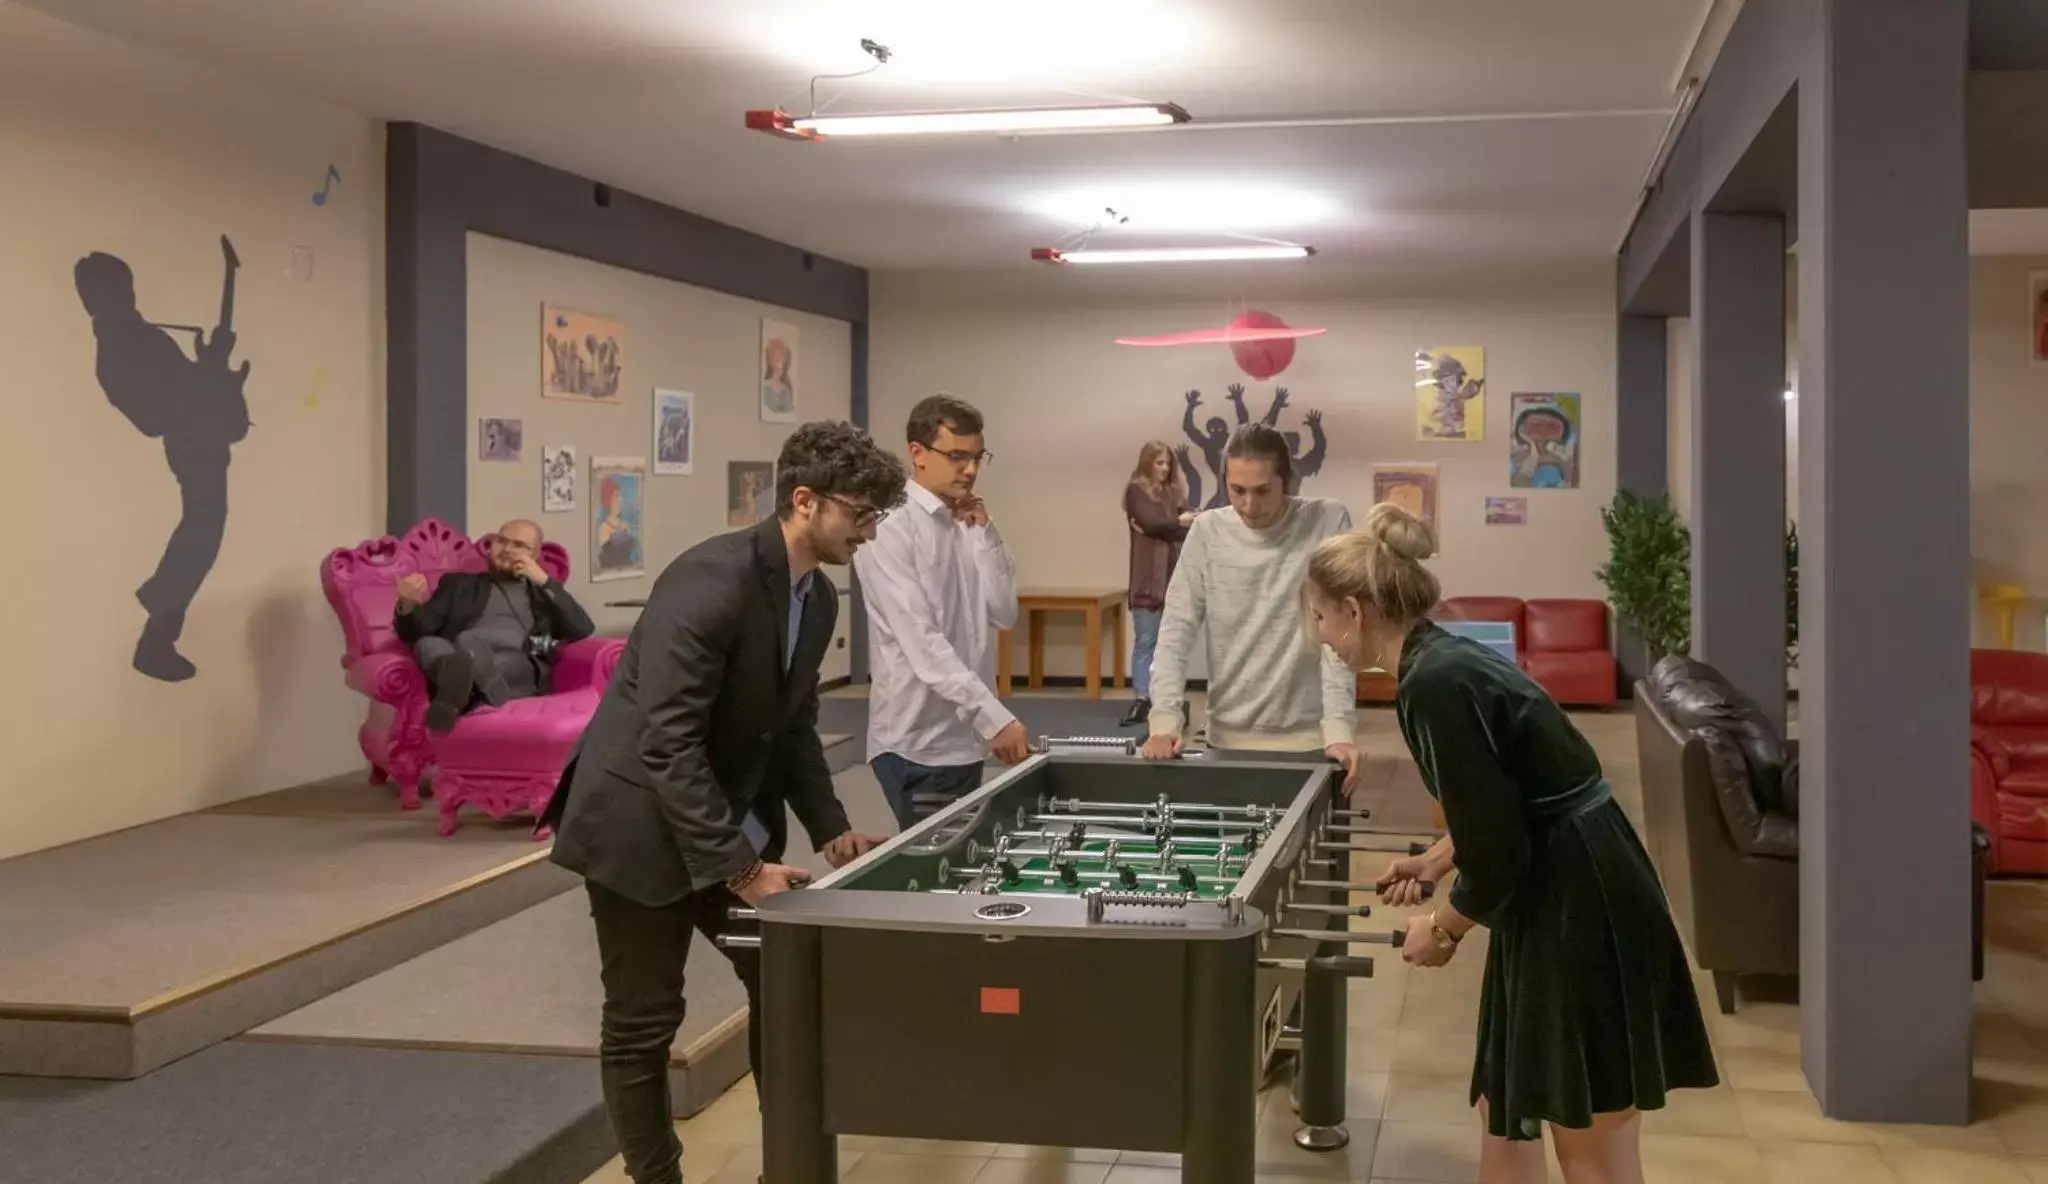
(1097, 606)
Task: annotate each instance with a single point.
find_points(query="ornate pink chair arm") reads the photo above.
(587, 664)
(387, 678)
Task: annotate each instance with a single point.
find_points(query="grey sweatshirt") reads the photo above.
(1267, 688)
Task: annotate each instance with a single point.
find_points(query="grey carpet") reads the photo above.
(255, 1113)
(123, 918)
(529, 984)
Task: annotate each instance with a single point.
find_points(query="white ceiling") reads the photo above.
(1522, 129)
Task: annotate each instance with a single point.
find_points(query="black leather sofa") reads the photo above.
(1721, 821)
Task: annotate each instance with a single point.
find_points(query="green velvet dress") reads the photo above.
(1588, 1004)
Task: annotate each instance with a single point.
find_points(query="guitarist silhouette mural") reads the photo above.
(195, 406)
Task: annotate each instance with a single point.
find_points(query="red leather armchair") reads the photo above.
(2009, 757)
(1561, 645)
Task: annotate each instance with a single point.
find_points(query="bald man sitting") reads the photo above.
(489, 636)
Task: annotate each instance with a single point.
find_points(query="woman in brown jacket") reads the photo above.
(1156, 504)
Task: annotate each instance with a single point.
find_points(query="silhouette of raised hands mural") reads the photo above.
(196, 406)
(1214, 435)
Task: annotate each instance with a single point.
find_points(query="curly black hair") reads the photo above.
(832, 457)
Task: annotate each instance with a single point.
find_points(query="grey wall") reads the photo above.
(439, 187)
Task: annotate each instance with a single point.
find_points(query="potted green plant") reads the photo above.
(1648, 571)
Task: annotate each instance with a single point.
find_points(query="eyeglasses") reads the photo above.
(964, 458)
(863, 516)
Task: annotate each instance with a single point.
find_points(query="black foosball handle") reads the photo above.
(1428, 886)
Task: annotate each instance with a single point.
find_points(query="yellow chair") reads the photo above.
(2002, 601)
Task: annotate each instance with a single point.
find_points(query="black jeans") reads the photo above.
(903, 780)
(641, 951)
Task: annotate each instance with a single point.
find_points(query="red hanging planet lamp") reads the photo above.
(1261, 342)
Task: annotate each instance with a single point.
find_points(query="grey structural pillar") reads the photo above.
(1642, 415)
(1884, 519)
(1738, 453)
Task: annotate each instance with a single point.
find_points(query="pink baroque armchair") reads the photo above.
(503, 760)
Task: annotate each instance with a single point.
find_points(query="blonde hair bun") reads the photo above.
(1403, 534)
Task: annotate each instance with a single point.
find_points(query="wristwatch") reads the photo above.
(1443, 936)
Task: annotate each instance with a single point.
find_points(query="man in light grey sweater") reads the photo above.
(1240, 574)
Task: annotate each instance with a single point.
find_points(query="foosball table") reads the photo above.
(1090, 950)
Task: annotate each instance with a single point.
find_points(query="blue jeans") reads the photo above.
(904, 781)
(1144, 639)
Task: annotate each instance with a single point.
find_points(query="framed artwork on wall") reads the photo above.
(582, 356)
(618, 489)
(2037, 317)
(675, 433)
(1543, 441)
(499, 439)
(778, 370)
(557, 478)
(1507, 511)
(749, 491)
(1450, 394)
(1412, 487)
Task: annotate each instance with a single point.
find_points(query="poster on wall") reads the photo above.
(582, 356)
(675, 433)
(1543, 441)
(557, 478)
(1507, 511)
(778, 372)
(1209, 440)
(1409, 486)
(749, 492)
(617, 486)
(499, 439)
(2037, 304)
(1450, 394)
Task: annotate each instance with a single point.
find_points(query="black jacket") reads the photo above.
(700, 725)
(459, 601)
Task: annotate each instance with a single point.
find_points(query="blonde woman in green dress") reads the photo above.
(1587, 1015)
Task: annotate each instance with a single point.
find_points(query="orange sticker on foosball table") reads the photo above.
(1001, 1001)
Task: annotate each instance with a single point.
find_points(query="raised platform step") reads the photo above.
(131, 950)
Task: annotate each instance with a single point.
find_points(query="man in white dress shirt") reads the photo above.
(938, 583)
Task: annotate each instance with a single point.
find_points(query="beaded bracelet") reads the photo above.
(744, 878)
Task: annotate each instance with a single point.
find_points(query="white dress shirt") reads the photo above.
(935, 591)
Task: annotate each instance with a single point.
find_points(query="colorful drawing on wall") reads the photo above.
(1211, 437)
(618, 486)
(1543, 446)
(196, 407)
(749, 492)
(778, 372)
(582, 356)
(1450, 394)
(1410, 486)
(2037, 303)
(1507, 511)
(557, 477)
(675, 433)
(500, 439)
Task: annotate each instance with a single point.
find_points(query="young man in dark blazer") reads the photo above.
(489, 635)
(708, 730)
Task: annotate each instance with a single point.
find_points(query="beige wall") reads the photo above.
(677, 337)
(2008, 428)
(2008, 439)
(108, 147)
(1067, 410)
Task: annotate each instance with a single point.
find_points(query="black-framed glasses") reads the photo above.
(863, 516)
(966, 458)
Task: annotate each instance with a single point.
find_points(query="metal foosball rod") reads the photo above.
(1141, 838)
(1052, 805)
(1048, 880)
(1334, 910)
(1345, 828)
(1216, 824)
(1428, 888)
(1387, 848)
(1395, 937)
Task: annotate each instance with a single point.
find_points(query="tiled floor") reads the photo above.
(1411, 1054)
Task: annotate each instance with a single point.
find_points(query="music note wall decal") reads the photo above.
(333, 175)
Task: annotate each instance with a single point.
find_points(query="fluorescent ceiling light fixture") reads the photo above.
(1249, 252)
(1092, 117)
(1198, 204)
